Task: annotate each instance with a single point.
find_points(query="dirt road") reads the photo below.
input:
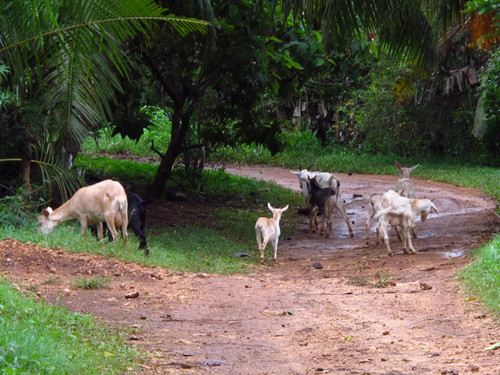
(361, 313)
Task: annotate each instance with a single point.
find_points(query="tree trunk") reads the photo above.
(27, 156)
(180, 125)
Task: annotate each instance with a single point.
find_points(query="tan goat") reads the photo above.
(268, 229)
(94, 204)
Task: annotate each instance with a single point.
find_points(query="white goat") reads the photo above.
(374, 205)
(401, 212)
(268, 229)
(104, 201)
(404, 186)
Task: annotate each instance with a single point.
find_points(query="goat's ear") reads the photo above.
(269, 207)
(413, 168)
(309, 168)
(46, 212)
(300, 166)
(284, 208)
(398, 166)
(295, 173)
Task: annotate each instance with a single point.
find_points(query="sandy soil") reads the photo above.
(361, 313)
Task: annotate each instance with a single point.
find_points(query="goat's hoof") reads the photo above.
(262, 261)
(389, 254)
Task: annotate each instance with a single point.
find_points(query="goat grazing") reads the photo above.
(401, 213)
(324, 201)
(104, 201)
(268, 229)
(136, 220)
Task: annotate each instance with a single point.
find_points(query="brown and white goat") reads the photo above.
(94, 204)
(401, 213)
(268, 229)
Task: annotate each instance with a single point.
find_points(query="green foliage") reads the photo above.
(488, 109)
(101, 168)
(244, 153)
(39, 339)
(97, 282)
(15, 211)
(158, 134)
(482, 277)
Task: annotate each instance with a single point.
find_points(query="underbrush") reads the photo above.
(36, 338)
(482, 277)
(230, 204)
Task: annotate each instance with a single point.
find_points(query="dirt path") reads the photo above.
(362, 313)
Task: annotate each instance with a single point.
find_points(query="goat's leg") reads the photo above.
(124, 226)
(275, 250)
(110, 222)
(340, 207)
(410, 245)
(382, 234)
(369, 216)
(414, 232)
(398, 230)
(329, 225)
(262, 248)
(84, 224)
(323, 218)
(313, 220)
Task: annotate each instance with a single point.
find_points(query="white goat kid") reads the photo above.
(268, 229)
(94, 204)
(374, 205)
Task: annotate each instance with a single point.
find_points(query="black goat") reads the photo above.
(324, 201)
(319, 200)
(136, 219)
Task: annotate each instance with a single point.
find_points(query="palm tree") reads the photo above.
(405, 29)
(65, 60)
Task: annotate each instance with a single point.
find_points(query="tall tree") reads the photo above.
(65, 57)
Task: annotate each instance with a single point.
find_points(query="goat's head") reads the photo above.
(45, 224)
(405, 172)
(276, 211)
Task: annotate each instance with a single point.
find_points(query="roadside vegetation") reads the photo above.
(36, 338)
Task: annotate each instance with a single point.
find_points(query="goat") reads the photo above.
(401, 212)
(374, 205)
(268, 229)
(404, 186)
(136, 219)
(323, 179)
(104, 201)
(323, 201)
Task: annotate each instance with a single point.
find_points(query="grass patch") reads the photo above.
(482, 277)
(39, 339)
(97, 282)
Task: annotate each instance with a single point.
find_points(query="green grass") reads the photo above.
(96, 282)
(482, 277)
(36, 338)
